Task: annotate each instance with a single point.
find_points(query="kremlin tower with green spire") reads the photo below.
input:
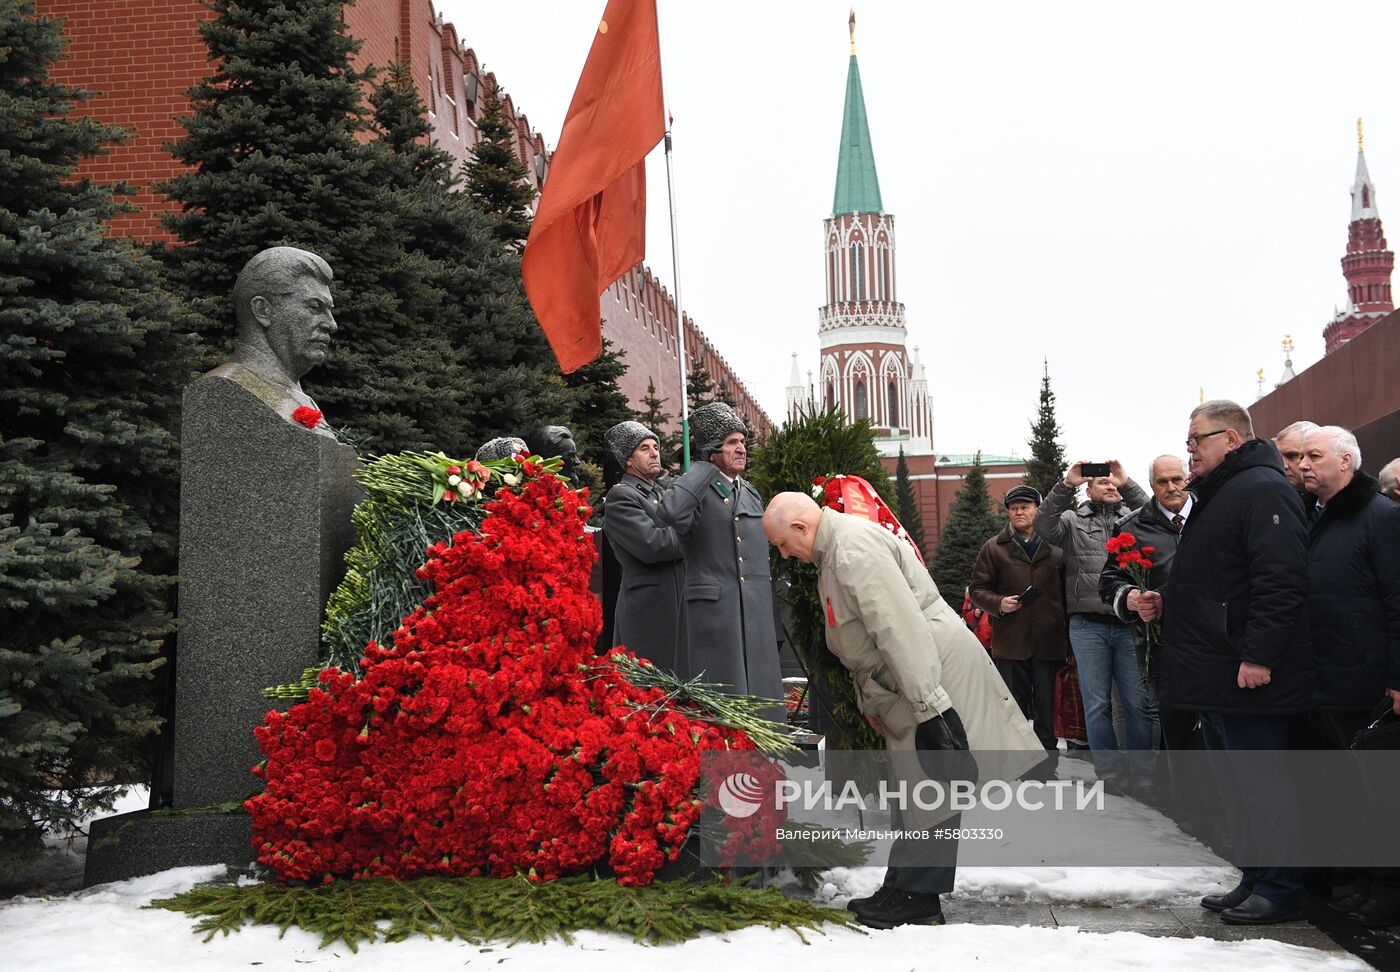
(866, 369)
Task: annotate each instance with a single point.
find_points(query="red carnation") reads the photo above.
(307, 416)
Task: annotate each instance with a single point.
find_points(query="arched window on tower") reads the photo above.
(892, 403)
(857, 271)
(862, 404)
(830, 395)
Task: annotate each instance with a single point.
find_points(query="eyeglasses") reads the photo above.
(1192, 441)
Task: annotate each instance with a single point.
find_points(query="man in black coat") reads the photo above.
(1158, 523)
(1235, 643)
(1354, 617)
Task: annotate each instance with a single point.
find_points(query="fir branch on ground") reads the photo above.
(709, 703)
(478, 910)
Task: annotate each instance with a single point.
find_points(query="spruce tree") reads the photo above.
(91, 370)
(699, 386)
(1047, 463)
(597, 405)
(818, 444)
(659, 421)
(275, 157)
(907, 507)
(496, 179)
(971, 522)
(483, 359)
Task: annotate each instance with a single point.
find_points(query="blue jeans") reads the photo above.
(1106, 655)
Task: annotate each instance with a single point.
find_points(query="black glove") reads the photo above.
(942, 735)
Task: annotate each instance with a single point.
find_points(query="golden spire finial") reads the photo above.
(1360, 141)
(1203, 395)
(1288, 344)
(852, 24)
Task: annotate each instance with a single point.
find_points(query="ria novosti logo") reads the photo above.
(741, 794)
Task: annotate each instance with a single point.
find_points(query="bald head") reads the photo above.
(790, 523)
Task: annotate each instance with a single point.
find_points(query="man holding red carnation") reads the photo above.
(1236, 644)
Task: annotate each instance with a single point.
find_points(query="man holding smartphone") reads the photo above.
(1105, 652)
(1019, 580)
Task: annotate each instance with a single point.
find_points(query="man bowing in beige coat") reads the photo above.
(921, 678)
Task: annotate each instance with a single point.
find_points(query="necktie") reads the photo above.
(1179, 522)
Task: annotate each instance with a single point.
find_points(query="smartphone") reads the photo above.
(1093, 470)
(1030, 595)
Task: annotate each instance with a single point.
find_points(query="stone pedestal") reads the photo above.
(264, 526)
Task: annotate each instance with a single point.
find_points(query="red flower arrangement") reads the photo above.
(307, 416)
(1138, 564)
(490, 739)
(832, 492)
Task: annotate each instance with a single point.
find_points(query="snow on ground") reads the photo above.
(106, 928)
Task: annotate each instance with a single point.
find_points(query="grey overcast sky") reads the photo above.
(1148, 195)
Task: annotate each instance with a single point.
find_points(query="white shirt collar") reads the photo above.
(1185, 513)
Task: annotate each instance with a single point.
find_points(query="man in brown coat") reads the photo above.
(1029, 637)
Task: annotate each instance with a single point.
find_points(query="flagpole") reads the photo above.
(680, 316)
(675, 268)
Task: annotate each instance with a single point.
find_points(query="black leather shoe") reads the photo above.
(1350, 904)
(902, 908)
(1226, 901)
(861, 904)
(1379, 913)
(1259, 910)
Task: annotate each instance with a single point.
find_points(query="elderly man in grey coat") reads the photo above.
(648, 614)
(729, 632)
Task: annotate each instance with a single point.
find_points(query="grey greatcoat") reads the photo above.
(647, 619)
(730, 636)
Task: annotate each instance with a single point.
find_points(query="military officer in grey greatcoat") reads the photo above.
(648, 614)
(730, 636)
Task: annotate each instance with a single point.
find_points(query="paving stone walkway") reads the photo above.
(1321, 929)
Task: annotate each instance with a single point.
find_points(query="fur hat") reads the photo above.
(711, 424)
(624, 437)
(501, 448)
(1021, 493)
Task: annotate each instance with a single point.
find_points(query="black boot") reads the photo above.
(862, 904)
(902, 908)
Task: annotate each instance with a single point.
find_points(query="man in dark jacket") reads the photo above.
(1354, 616)
(1235, 642)
(730, 634)
(1104, 652)
(1029, 641)
(1158, 523)
(648, 614)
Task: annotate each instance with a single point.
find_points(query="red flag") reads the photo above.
(590, 227)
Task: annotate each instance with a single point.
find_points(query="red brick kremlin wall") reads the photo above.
(937, 479)
(141, 55)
